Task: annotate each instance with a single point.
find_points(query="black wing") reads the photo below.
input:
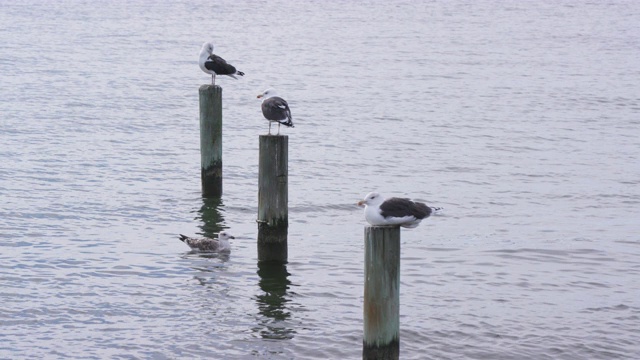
(399, 207)
(219, 65)
(282, 104)
(277, 109)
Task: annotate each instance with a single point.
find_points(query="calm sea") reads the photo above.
(521, 119)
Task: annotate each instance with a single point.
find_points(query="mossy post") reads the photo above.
(381, 293)
(211, 140)
(273, 198)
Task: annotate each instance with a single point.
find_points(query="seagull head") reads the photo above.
(223, 235)
(372, 198)
(267, 93)
(207, 48)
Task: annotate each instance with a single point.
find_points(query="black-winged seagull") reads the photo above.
(275, 109)
(221, 244)
(214, 64)
(394, 211)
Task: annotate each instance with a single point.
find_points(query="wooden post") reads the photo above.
(381, 292)
(273, 197)
(211, 140)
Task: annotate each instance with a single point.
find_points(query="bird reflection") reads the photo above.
(223, 257)
(274, 284)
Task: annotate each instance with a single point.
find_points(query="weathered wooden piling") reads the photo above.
(273, 197)
(381, 293)
(211, 140)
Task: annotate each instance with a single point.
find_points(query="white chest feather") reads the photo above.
(374, 217)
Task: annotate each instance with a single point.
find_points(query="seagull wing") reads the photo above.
(282, 108)
(219, 65)
(200, 244)
(400, 207)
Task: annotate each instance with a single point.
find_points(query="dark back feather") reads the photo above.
(277, 109)
(400, 207)
(219, 65)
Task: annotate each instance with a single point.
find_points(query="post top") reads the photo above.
(273, 136)
(210, 87)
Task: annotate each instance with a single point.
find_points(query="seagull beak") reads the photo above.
(259, 96)
(232, 237)
(361, 202)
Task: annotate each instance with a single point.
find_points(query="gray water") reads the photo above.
(521, 119)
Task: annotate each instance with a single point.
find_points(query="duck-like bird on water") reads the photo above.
(394, 211)
(275, 109)
(221, 244)
(215, 65)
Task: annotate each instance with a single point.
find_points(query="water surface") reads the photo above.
(521, 119)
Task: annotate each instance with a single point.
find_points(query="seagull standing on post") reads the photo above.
(275, 109)
(214, 64)
(394, 211)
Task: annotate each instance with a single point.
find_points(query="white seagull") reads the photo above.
(214, 64)
(275, 109)
(221, 244)
(394, 211)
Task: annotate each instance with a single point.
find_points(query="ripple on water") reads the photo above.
(532, 152)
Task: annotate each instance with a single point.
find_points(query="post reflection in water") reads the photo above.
(211, 217)
(274, 284)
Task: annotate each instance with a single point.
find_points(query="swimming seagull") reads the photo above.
(275, 109)
(394, 211)
(221, 244)
(214, 64)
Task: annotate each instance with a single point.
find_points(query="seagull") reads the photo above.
(275, 109)
(394, 211)
(214, 64)
(221, 244)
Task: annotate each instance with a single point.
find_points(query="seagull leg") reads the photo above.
(269, 127)
(278, 129)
